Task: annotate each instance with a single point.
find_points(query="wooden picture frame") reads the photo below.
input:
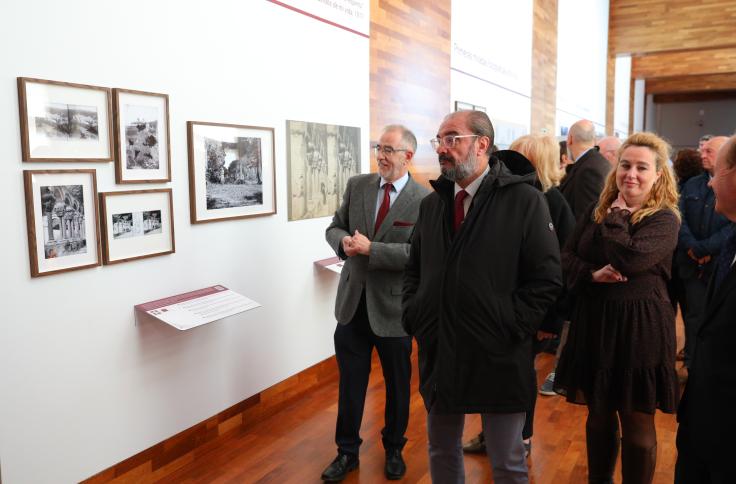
(232, 171)
(61, 217)
(142, 136)
(136, 224)
(63, 121)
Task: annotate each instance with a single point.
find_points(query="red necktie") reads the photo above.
(385, 205)
(459, 210)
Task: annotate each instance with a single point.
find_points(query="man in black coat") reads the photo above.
(586, 175)
(706, 413)
(483, 270)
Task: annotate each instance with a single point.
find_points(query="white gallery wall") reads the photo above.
(82, 385)
(582, 50)
(491, 62)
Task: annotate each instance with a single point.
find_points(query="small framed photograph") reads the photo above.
(61, 214)
(142, 153)
(231, 171)
(61, 121)
(136, 224)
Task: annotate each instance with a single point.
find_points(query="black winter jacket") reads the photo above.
(474, 300)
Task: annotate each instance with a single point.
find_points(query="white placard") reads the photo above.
(351, 15)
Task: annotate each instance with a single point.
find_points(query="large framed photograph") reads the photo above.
(61, 121)
(136, 224)
(61, 214)
(231, 171)
(142, 153)
(321, 157)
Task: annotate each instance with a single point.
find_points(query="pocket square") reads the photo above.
(401, 223)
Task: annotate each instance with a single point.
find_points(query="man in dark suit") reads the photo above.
(706, 414)
(586, 175)
(371, 230)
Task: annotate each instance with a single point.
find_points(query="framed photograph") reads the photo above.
(321, 157)
(61, 121)
(142, 153)
(61, 214)
(136, 224)
(231, 171)
(463, 106)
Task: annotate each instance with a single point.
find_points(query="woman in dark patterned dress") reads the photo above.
(620, 355)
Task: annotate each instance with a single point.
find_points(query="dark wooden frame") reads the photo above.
(103, 224)
(119, 157)
(31, 219)
(23, 111)
(192, 182)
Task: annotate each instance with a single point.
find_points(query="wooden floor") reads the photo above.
(295, 445)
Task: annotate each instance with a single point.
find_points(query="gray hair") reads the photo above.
(478, 123)
(407, 137)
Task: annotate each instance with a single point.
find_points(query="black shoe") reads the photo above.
(476, 445)
(340, 467)
(395, 467)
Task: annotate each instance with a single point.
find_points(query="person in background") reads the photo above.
(703, 139)
(371, 231)
(619, 359)
(706, 412)
(564, 160)
(538, 154)
(608, 147)
(702, 234)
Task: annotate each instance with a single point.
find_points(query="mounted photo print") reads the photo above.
(322, 157)
(61, 121)
(136, 224)
(142, 153)
(61, 215)
(231, 171)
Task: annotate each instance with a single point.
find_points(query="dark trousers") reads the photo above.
(354, 343)
(695, 466)
(695, 294)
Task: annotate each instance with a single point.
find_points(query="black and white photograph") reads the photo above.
(61, 208)
(231, 171)
(322, 157)
(136, 224)
(63, 121)
(69, 121)
(141, 136)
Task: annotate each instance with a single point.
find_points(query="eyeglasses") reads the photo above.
(386, 150)
(450, 140)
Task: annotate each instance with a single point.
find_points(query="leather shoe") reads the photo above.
(476, 445)
(340, 467)
(395, 466)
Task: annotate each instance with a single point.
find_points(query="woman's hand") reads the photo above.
(608, 274)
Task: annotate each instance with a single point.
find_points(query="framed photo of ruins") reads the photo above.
(62, 121)
(321, 159)
(61, 215)
(231, 171)
(136, 224)
(141, 125)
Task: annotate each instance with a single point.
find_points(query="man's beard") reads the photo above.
(459, 170)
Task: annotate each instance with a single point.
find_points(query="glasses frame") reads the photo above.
(438, 142)
(382, 149)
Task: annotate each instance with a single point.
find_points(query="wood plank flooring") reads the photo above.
(295, 445)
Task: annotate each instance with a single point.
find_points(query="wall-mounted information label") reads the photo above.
(333, 264)
(192, 309)
(352, 15)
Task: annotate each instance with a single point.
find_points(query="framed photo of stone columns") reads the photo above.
(142, 152)
(136, 224)
(231, 171)
(63, 121)
(61, 217)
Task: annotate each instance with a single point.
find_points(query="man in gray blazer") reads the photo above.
(371, 232)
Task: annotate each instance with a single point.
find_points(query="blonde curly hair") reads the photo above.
(544, 153)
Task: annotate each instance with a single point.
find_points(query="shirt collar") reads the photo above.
(398, 184)
(475, 184)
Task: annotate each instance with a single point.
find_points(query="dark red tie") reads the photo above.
(385, 205)
(459, 210)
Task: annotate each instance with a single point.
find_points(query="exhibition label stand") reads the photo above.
(195, 308)
(333, 264)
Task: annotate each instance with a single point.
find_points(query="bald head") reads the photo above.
(609, 147)
(580, 137)
(710, 151)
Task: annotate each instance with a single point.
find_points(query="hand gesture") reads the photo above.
(608, 274)
(348, 247)
(361, 243)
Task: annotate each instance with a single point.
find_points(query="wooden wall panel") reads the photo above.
(707, 82)
(410, 72)
(684, 63)
(661, 25)
(544, 66)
